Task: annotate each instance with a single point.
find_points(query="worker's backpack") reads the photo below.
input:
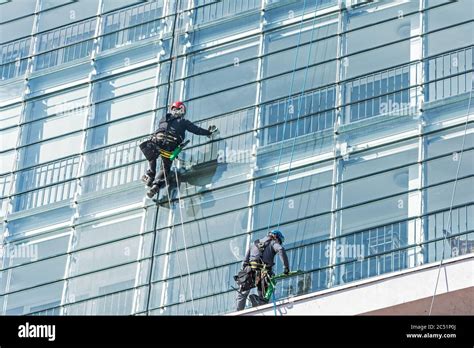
(245, 278)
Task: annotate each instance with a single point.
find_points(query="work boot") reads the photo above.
(152, 192)
(148, 180)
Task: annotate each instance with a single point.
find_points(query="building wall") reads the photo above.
(345, 125)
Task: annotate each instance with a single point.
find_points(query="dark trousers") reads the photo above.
(164, 173)
(262, 282)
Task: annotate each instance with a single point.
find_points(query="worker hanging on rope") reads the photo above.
(257, 268)
(166, 143)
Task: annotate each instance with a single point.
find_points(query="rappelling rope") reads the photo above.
(452, 194)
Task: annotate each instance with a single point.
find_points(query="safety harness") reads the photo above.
(251, 275)
(154, 146)
(261, 246)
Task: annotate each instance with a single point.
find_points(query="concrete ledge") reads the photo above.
(387, 291)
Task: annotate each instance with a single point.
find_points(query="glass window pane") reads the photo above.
(5, 185)
(382, 33)
(10, 117)
(120, 303)
(122, 107)
(50, 150)
(6, 161)
(12, 10)
(105, 256)
(221, 79)
(439, 197)
(55, 80)
(305, 55)
(294, 208)
(63, 15)
(11, 91)
(385, 184)
(47, 220)
(118, 131)
(380, 159)
(104, 282)
(449, 141)
(454, 12)
(377, 59)
(35, 273)
(124, 84)
(202, 231)
(305, 113)
(228, 101)
(33, 300)
(374, 214)
(299, 180)
(315, 29)
(60, 103)
(53, 126)
(450, 39)
(65, 44)
(110, 5)
(8, 138)
(206, 283)
(232, 53)
(223, 252)
(110, 229)
(208, 36)
(281, 86)
(16, 29)
(210, 203)
(36, 248)
(374, 13)
(445, 168)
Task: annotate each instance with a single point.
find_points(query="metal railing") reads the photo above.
(39, 184)
(308, 113)
(65, 44)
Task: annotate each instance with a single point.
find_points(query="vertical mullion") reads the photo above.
(336, 194)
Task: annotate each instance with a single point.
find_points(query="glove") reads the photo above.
(286, 271)
(212, 129)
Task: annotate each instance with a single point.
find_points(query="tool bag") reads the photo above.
(150, 149)
(245, 278)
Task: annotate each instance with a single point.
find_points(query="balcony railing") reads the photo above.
(12, 62)
(36, 187)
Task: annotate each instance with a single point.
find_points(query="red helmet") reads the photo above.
(178, 105)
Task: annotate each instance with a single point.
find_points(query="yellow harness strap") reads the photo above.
(165, 153)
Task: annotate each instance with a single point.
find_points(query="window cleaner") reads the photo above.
(257, 268)
(167, 142)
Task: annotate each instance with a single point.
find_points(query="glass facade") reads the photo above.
(343, 122)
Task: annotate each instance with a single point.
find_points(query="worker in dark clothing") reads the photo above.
(260, 257)
(169, 135)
